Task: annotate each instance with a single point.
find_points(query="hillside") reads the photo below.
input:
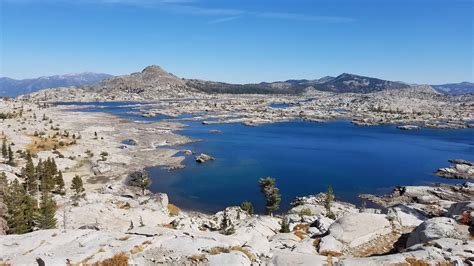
(14, 87)
(455, 88)
(342, 83)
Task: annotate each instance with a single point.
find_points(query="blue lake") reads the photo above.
(305, 158)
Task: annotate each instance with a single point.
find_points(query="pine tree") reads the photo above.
(59, 182)
(11, 158)
(247, 207)
(47, 211)
(20, 209)
(140, 179)
(285, 225)
(77, 185)
(3, 205)
(328, 203)
(4, 149)
(271, 193)
(30, 175)
(54, 167)
(47, 177)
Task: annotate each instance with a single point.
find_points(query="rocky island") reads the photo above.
(104, 215)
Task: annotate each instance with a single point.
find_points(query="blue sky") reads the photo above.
(422, 41)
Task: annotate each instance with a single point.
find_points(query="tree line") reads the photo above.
(29, 203)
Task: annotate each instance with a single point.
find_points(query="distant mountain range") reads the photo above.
(14, 87)
(342, 83)
(455, 88)
(153, 81)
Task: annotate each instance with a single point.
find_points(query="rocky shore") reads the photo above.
(115, 222)
(460, 169)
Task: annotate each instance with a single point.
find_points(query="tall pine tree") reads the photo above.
(77, 185)
(59, 183)
(4, 149)
(20, 209)
(47, 211)
(11, 158)
(30, 175)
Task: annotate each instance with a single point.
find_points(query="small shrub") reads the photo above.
(120, 259)
(300, 234)
(247, 207)
(173, 209)
(198, 258)
(305, 212)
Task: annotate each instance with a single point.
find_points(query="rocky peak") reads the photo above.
(154, 69)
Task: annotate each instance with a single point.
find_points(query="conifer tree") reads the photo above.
(30, 175)
(285, 225)
(140, 179)
(3, 205)
(47, 211)
(46, 176)
(328, 203)
(77, 185)
(271, 193)
(20, 209)
(59, 182)
(11, 158)
(4, 149)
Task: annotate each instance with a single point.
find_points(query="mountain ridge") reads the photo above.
(14, 87)
(154, 82)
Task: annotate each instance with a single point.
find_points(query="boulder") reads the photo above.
(101, 168)
(406, 216)
(201, 158)
(330, 246)
(435, 228)
(290, 258)
(458, 209)
(231, 258)
(349, 229)
(284, 241)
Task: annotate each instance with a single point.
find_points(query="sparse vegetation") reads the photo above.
(271, 193)
(328, 203)
(77, 186)
(247, 207)
(305, 212)
(139, 179)
(173, 210)
(285, 226)
(120, 259)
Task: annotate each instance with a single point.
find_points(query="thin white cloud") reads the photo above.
(222, 20)
(303, 17)
(187, 7)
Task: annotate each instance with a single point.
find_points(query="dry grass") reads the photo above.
(421, 262)
(146, 242)
(4, 263)
(46, 143)
(173, 210)
(246, 252)
(123, 238)
(137, 249)
(303, 227)
(120, 259)
(198, 258)
(123, 205)
(170, 226)
(300, 234)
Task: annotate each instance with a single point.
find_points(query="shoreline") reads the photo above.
(149, 229)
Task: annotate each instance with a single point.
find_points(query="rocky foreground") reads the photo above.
(114, 223)
(430, 228)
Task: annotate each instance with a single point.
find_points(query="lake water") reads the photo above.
(304, 157)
